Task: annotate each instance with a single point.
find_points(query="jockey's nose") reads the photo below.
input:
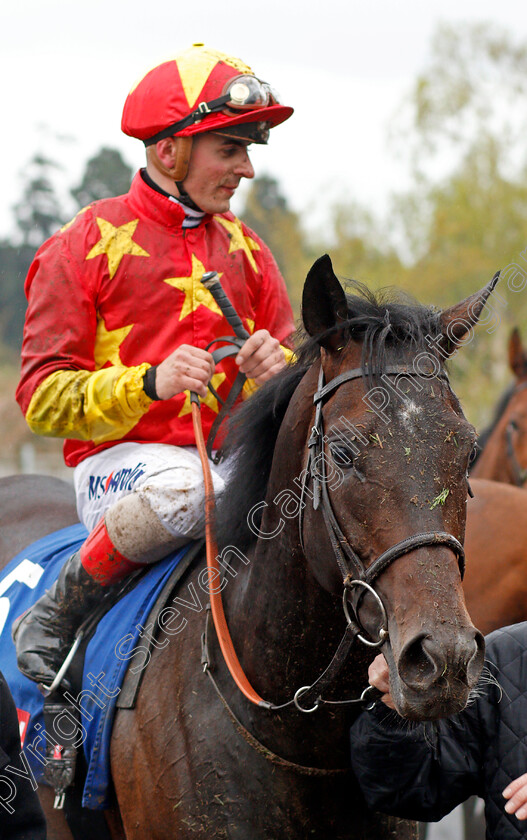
(245, 168)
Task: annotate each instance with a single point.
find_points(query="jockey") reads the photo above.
(117, 323)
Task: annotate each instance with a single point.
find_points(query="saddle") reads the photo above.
(105, 673)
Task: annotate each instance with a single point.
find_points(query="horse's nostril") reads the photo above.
(418, 666)
(476, 662)
(424, 661)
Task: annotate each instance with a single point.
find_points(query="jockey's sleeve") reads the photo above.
(101, 405)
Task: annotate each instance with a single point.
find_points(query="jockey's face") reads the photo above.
(217, 165)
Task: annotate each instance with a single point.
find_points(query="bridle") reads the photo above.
(357, 578)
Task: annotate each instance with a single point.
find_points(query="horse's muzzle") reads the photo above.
(437, 677)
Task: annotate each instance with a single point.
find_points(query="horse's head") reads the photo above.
(385, 488)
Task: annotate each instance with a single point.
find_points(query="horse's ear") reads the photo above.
(517, 355)
(323, 300)
(458, 320)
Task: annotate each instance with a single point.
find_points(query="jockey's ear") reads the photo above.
(457, 321)
(517, 355)
(324, 302)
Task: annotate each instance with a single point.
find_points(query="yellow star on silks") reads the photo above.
(210, 399)
(238, 240)
(195, 294)
(108, 343)
(116, 242)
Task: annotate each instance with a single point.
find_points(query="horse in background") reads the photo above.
(495, 583)
(380, 499)
(503, 446)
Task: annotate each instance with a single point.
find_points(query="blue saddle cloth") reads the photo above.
(108, 654)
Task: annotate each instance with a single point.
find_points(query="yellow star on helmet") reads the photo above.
(197, 63)
(210, 399)
(116, 242)
(195, 294)
(238, 241)
(108, 344)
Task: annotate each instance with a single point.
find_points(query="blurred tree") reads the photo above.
(464, 129)
(38, 213)
(468, 225)
(14, 263)
(106, 174)
(473, 87)
(267, 212)
(476, 223)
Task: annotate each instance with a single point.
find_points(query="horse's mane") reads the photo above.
(387, 319)
(498, 414)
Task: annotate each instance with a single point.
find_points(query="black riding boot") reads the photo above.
(44, 634)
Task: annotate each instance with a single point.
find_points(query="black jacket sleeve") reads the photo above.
(21, 817)
(416, 771)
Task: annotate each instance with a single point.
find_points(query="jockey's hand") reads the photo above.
(379, 677)
(186, 369)
(261, 357)
(516, 793)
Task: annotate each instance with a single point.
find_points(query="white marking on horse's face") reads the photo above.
(409, 412)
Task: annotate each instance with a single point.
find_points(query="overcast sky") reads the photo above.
(344, 65)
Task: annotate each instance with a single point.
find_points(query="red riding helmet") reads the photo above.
(201, 90)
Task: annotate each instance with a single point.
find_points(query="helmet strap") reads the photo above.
(183, 150)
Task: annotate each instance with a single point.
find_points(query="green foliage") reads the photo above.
(474, 85)
(466, 113)
(359, 248)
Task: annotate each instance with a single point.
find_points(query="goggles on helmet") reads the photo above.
(248, 92)
(242, 93)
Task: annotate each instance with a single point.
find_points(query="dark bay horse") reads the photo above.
(503, 446)
(383, 500)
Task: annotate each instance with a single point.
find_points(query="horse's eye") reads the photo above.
(342, 455)
(474, 454)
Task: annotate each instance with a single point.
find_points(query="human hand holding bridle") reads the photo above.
(188, 368)
(261, 357)
(379, 677)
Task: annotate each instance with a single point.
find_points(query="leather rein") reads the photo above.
(356, 575)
